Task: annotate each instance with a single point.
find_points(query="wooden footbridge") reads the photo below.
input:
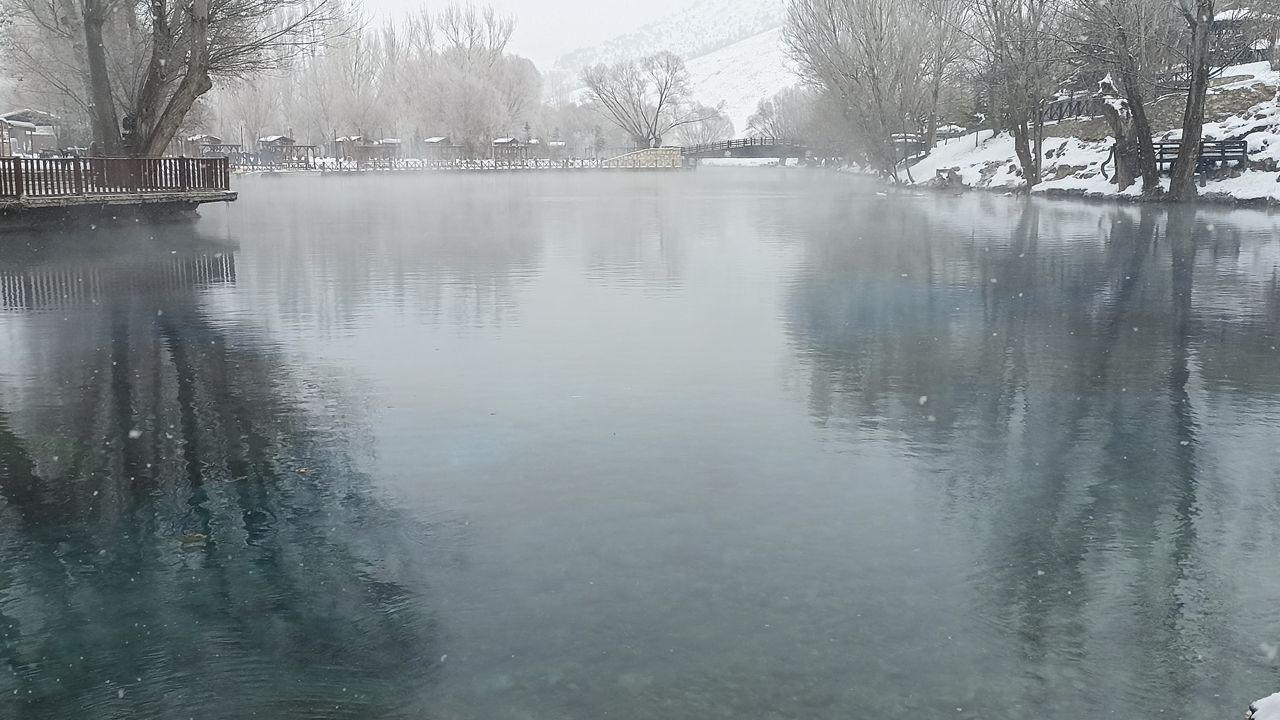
(755, 147)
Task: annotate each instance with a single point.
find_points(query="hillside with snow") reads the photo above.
(702, 28)
(742, 74)
(733, 49)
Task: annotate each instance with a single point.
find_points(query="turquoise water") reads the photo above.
(730, 443)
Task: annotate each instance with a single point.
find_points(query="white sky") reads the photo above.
(546, 29)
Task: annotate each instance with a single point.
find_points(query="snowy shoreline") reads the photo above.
(1073, 167)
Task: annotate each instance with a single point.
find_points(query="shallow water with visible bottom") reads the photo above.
(740, 443)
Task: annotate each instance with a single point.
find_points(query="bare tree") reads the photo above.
(712, 127)
(444, 72)
(947, 42)
(868, 54)
(1026, 62)
(647, 98)
(148, 62)
(785, 115)
(1199, 18)
(252, 107)
(457, 78)
(1131, 42)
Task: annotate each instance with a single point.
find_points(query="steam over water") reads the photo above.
(731, 443)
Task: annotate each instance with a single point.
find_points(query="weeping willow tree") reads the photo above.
(647, 98)
(885, 61)
(135, 68)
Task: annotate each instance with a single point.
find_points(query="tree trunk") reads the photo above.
(1141, 131)
(1124, 152)
(1022, 146)
(1037, 154)
(931, 139)
(195, 82)
(1140, 125)
(1183, 185)
(151, 93)
(106, 125)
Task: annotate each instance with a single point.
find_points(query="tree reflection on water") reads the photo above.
(184, 530)
(1079, 388)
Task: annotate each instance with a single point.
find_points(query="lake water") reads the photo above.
(735, 443)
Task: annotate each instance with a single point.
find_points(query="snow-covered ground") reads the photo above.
(699, 29)
(1268, 708)
(1070, 164)
(743, 74)
(732, 48)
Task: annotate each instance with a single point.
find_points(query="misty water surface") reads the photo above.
(731, 443)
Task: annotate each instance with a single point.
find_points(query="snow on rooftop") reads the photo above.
(1233, 14)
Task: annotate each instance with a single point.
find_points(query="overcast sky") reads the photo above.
(546, 29)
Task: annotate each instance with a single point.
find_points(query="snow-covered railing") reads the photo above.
(740, 143)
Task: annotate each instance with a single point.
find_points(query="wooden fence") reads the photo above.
(54, 177)
(329, 165)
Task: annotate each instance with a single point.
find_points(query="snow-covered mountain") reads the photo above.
(701, 28)
(742, 74)
(733, 49)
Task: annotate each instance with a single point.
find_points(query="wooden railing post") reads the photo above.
(18, 188)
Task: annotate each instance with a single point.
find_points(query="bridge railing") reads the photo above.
(53, 177)
(743, 143)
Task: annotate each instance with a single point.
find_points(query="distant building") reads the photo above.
(285, 151)
(208, 146)
(508, 149)
(1239, 35)
(28, 132)
(440, 149)
(368, 152)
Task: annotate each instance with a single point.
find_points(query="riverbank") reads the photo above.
(1243, 107)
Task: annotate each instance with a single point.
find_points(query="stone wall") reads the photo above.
(1165, 113)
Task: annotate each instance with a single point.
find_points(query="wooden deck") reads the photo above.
(38, 192)
(198, 197)
(68, 177)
